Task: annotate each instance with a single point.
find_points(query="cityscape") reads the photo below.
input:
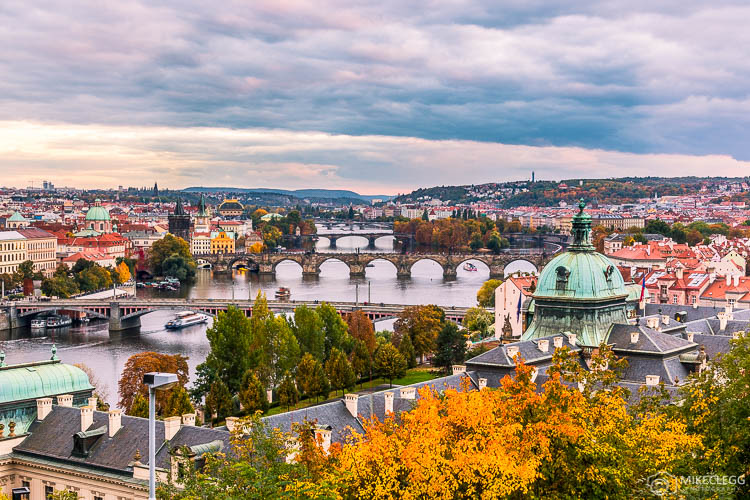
(374, 251)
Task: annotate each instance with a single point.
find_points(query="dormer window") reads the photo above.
(562, 278)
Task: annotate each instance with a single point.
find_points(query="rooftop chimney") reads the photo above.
(408, 393)
(43, 407)
(665, 319)
(634, 336)
(557, 341)
(323, 437)
(722, 321)
(690, 336)
(729, 280)
(172, 425)
(351, 403)
(115, 421)
(188, 419)
(87, 417)
(543, 345)
(482, 383)
(652, 322)
(679, 273)
(458, 369)
(93, 402)
(511, 351)
(572, 338)
(65, 400)
(652, 379)
(736, 280)
(388, 397)
(231, 423)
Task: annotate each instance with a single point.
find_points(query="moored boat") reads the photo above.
(58, 321)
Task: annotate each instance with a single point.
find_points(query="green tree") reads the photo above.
(288, 393)
(311, 379)
(486, 294)
(657, 226)
(716, 405)
(334, 329)
(425, 215)
(219, 401)
(476, 242)
(389, 363)
(422, 324)
(308, 328)
(178, 403)
(478, 322)
(451, 347)
(179, 267)
(139, 408)
(253, 395)
(234, 348)
(340, 372)
(282, 351)
(26, 269)
(361, 360)
(171, 247)
(406, 348)
(272, 236)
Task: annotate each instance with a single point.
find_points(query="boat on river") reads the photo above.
(283, 293)
(470, 267)
(186, 318)
(38, 323)
(58, 321)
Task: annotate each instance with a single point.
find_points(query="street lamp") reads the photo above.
(155, 381)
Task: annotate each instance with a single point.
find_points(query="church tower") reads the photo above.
(203, 219)
(179, 222)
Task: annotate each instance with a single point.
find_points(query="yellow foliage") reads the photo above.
(256, 247)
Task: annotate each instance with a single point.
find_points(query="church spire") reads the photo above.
(179, 209)
(202, 207)
(581, 230)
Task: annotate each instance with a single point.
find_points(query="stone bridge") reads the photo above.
(357, 262)
(125, 314)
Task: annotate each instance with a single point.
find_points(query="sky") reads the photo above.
(378, 97)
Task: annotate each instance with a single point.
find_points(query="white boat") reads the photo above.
(38, 323)
(184, 319)
(58, 321)
(470, 267)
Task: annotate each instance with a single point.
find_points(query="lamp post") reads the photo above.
(155, 381)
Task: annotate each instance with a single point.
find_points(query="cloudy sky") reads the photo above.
(379, 97)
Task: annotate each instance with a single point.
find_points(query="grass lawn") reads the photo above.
(413, 376)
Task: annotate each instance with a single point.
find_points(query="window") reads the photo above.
(49, 490)
(98, 498)
(693, 299)
(674, 299)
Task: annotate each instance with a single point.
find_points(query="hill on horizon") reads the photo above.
(297, 193)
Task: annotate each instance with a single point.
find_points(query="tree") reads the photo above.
(406, 349)
(425, 215)
(339, 371)
(486, 294)
(256, 247)
(451, 347)
(219, 400)
(257, 466)
(657, 226)
(308, 328)
(235, 349)
(478, 322)
(361, 360)
(272, 236)
(334, 328)
(422, 324)
(137, 365)
(288, 393)
(176, 251)
(694, 237)
(311, 379)
(513, 442)
(362, 329)
(26, 269)
(389, 363)
(139, 407)
(716, 405)
(282, 352)
(253, 395)
(122, 273)
(101, 390)
(178, 403)
(476, 242)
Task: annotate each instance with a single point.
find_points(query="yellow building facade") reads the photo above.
(221, 242)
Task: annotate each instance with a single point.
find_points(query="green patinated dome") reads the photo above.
(97, 213)
(579, 291)
(580, 275)
(38, 380)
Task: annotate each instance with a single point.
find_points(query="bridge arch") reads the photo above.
(246, 259)
(94, 313)
(523, 265)
(485, 264)
(417, 260)
(381, 258)
(203, 264)
(288, 259)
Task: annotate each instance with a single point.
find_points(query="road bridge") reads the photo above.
(266, 263)
(125, 314)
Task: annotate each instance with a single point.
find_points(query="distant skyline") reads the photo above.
(376, 97)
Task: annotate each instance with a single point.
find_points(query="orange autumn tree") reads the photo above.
(576, 438)
(131, 386)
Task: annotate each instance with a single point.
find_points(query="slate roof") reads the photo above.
(649, 340)
(528, 349)
(693, 314)
(52, 438)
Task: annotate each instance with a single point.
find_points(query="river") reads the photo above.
(106, 353)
